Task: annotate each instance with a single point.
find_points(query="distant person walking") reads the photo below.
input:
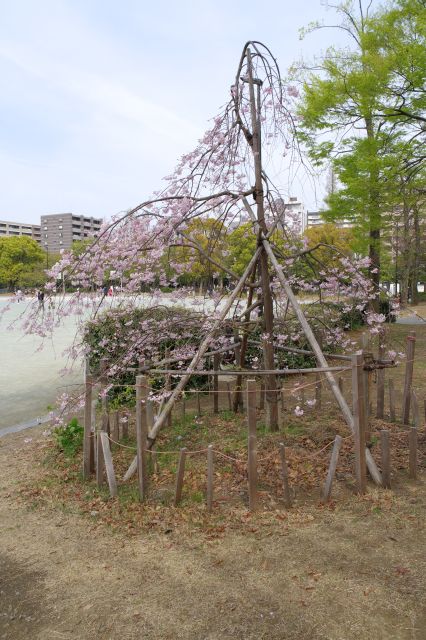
(40, 298)
(19, 295)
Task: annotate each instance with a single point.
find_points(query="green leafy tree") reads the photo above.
(22, 262)
(352, 115)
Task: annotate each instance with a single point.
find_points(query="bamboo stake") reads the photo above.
(109, 467)
(385, 455)
(284, 476)
(408, 381)
(332, 469)
(179, 475)
(210, 459)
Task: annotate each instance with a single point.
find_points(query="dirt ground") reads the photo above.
(357, 570)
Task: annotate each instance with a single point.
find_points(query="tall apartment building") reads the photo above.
(19, 229)
(60, 230)
(313, 218)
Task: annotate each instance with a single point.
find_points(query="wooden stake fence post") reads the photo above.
(385, 455)
(284, 476)
(380, 406)
(332, 468)
(252, 444)
(282, 399)
(87, 438)
(412, 443)
(210, 460)
(341, 384)
(358, 401)
(416, 410)
(198, 403)
(183, 407)
(109, 467)
(141, 434)
(392, 412)
(179, 475)
(216, 364)
(409, 363)
(100, 463)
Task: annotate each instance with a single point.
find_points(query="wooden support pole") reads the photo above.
(216, 364)
(416, 410)
(141, 434)
(109, 467)
(392, 412)
(358, 401)
(183, 407)
(385, 456)
(284, 477)
(179, 475)
(210, 461)
(252, 444)
(408, 381)
(412, 443)
(87, 438)
(282, 393)
(198, 403)
(341, 384)
(332, 468)
(380, 405)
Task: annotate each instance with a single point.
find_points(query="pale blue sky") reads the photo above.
(99, 98)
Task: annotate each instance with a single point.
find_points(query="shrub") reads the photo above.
(69, 439)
